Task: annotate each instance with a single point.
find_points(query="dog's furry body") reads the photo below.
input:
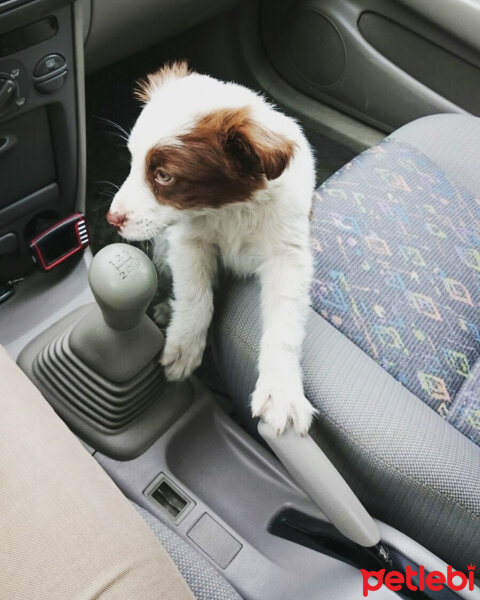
(265, 231)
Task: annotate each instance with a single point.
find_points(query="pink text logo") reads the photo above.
(417, 579)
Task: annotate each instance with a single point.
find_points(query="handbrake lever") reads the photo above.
(316, 475)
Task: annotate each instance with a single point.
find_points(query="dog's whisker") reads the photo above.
(119, 136)
(102, 206)
(108, 195)
(107, 183)
(104, 193)
(114, 125)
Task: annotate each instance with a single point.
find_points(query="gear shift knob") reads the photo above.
(117, 339)
(123, 281)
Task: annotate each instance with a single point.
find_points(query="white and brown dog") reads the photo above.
(230, 177)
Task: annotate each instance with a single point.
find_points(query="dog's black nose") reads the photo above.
(116, 219)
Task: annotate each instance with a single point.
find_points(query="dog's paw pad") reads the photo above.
(281, 409)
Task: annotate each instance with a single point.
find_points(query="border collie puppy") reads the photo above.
(231, 178)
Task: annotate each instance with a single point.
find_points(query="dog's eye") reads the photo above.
(163, 178)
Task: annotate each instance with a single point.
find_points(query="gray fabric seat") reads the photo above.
(200, 576)
(391, 357)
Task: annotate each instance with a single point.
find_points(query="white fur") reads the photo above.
(267, 236)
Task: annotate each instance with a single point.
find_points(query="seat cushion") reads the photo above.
(405, 461)
(66, 530)
(397, 264)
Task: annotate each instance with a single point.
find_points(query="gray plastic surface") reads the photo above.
(62, 118)
(314, 472)
(106, 382)
(32, 146)
(461, 18)
(93, 417)
(122, 27)
(308, 110)
(44, 198)
(115, 354)
(453, 77)
(370, 87)
(153, 487)
(14, 14)
(81, 20)
(215, 540)
(108, 405)
(243, 487)
(41, 300)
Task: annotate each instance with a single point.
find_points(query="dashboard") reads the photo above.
(45, 48)
(38, 119)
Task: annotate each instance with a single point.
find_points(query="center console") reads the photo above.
(40, 114)
(275, 533)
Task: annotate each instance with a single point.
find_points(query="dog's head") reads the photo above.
(196, 145)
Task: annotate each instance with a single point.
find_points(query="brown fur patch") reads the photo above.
(225, 159)
(153, 81)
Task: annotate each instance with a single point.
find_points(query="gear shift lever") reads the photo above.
(99, 369)
(117, 339)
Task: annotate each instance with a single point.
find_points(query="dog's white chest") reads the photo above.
(242, 256)
(240, 237)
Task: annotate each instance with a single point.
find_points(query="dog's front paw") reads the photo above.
(181, 358)
(281, 404)
(161, 313)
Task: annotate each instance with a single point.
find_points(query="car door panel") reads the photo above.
(377, 60)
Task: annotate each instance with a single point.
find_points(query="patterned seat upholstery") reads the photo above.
(397, 270)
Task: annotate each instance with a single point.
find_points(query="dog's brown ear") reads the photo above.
(152, 82)
(255, 148)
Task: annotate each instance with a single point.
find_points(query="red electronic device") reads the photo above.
(60, 241)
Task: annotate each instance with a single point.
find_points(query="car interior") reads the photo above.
(115, 483)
